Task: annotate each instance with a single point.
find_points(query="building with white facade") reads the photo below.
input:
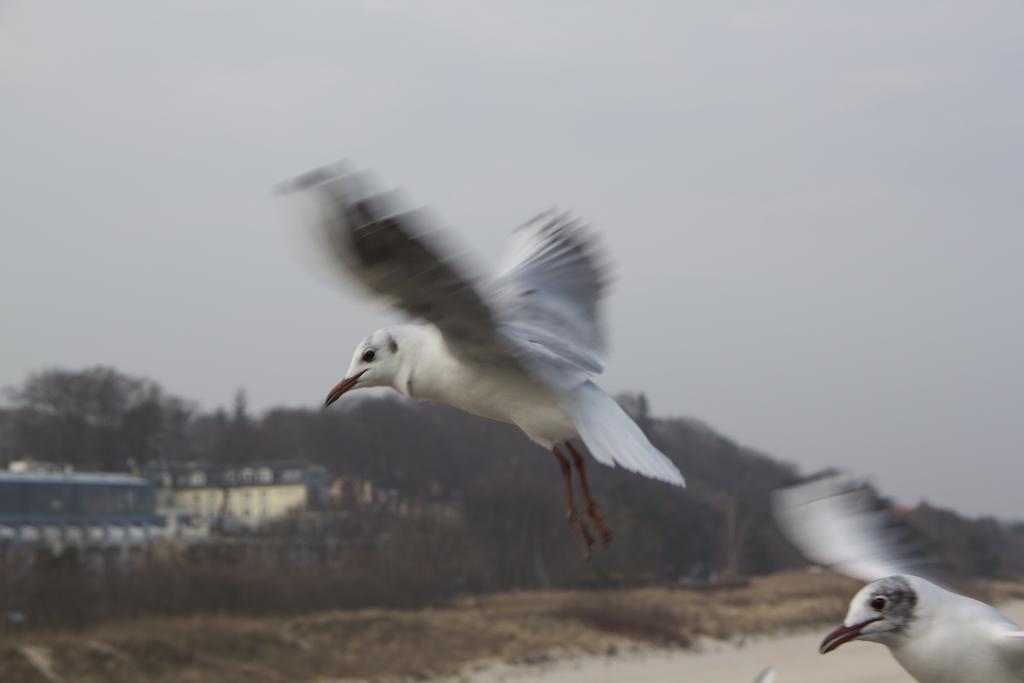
(244, 496)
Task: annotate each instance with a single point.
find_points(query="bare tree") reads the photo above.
(96, 417)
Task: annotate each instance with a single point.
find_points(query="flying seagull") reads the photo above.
(519, 347)
(937, 635)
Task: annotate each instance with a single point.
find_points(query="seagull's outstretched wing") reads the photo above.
(1010, 645)
(766, 676)
(548, 288)
(401, 256)
(832, 521)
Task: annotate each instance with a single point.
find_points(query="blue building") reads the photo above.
(76, 509)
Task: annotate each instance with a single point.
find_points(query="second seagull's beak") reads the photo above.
(843, 634)
(341, 387)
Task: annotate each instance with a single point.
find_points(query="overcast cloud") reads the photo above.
(814, 208)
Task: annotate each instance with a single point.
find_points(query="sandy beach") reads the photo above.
(795, 657)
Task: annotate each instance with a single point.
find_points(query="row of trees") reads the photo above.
(96, 418)
(510, 526)
(101, 419)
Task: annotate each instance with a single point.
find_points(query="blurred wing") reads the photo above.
(833, 523)
(398, 255)
(1010, 644)
(766, 676)
(547, 291)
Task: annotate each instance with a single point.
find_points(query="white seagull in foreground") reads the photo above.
(520, 347)
(766, 676)
(937, 635)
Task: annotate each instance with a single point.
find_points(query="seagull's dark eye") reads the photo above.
(369, 355)
(878, 603)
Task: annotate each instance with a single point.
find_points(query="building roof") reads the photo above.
(260, 473)
(108, 478)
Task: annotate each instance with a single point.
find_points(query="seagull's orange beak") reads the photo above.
(341, 387)
(843, 634)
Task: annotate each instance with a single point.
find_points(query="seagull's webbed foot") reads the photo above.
(583, 537)
(593, 511)
(579, 527)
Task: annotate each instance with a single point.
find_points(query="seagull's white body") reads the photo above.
(519, 347)
(936, 635)
(493, 391)
(955, 639)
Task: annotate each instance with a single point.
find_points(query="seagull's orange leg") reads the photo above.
(575, 521)
(592, 510)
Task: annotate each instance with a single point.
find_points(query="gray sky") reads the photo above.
(814, 208)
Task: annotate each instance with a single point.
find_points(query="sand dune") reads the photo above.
(794, 656)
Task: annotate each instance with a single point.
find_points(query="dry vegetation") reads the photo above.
(419, 644)
(391, 645)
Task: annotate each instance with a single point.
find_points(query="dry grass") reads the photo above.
(390, 645)
(620, 617)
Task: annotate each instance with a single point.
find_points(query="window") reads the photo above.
(48, 498)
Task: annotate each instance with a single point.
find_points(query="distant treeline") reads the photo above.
(510, 530)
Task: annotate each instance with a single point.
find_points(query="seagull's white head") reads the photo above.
(378, 361)
(880, 612)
